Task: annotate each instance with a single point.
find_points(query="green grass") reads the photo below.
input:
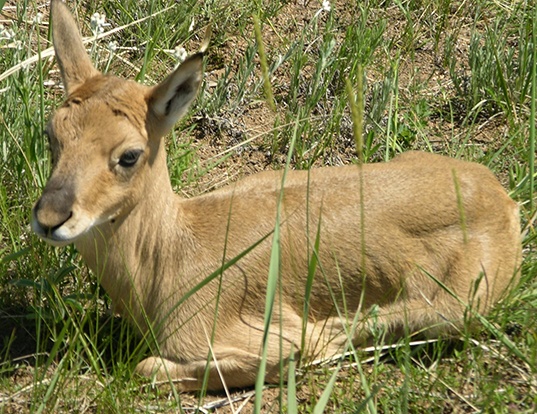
(455, 78)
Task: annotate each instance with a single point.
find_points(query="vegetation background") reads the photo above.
(451, 77)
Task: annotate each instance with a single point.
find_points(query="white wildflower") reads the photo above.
(325, 7)
(38, 19)
(98, 23)
(112, 46)
(5, 33)
(180, 53)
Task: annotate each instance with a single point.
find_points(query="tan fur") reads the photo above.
(432, 226)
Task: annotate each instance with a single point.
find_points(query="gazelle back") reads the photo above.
(406, 246)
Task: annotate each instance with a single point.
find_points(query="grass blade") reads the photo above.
(325, 396)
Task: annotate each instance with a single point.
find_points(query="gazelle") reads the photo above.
(416, 241)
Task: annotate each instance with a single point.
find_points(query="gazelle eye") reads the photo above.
(129, 158)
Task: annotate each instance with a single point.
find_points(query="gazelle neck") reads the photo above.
(126, 253)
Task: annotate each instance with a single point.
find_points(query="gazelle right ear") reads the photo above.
(169, 100)
(75, 64)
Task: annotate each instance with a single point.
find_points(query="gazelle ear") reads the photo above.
(75, 64)
(169, 100)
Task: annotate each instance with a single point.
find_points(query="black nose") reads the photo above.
(54, 207)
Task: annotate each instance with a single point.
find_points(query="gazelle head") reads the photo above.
(105, 139)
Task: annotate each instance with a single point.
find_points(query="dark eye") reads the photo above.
(129, 158)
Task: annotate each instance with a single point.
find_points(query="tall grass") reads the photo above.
(444, 76)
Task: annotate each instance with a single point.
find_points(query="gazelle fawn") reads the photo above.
(407, 246)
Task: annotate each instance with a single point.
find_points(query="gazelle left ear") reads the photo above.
(169, 100)
(75, 64)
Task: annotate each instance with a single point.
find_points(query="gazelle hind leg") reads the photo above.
(443, 316)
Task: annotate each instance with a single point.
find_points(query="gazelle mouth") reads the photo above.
(64, 233)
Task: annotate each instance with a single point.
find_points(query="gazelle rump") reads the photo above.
(415, 241)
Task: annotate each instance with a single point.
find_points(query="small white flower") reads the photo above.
(7, 34)
(112, 46)
(180, 53)
(98, 23)
(325, 7)
(38, 19)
